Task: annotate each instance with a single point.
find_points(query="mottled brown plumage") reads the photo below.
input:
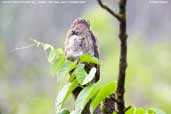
(80, 40)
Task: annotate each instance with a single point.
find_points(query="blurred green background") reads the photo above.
(26, 86)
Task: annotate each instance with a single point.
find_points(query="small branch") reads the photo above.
(22, 48)
(127, 108)
(109, 10)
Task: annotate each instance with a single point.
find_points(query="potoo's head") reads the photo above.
(80, 25)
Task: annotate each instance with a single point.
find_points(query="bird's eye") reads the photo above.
(74, 32)
(83, 38)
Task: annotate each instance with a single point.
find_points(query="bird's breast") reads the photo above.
(78, 45)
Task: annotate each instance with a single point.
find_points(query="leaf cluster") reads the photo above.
(133, 110)
(77, 77)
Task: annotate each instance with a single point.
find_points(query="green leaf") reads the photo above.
(73, 65)
(140, 111)
(155, 111)
(53, 69)
(56, 67)
(64, 111)
(68, 67)
(131, 110)
(65, 68)
(80, 73)
(60, 64)
(75, 112)
(105, 91)
(89, 58)
(64, 93)
(62, 67)
(90, 76)
(82, 76)
(71, 78)
(114, 112)
(55, 55)
(84, 97)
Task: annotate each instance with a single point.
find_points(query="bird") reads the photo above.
(81, 40)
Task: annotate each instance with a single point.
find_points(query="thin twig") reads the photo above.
(23, 47)
(127, 108)
(109, 10)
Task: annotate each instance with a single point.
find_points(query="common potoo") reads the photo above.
(80, 40)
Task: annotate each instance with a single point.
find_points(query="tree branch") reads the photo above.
(123, 58)
(109, 105)
(109, 10)
(120, 109)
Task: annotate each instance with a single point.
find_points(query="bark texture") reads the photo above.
(121, 17)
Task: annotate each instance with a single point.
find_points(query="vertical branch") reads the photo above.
(121, 16)
(123, 58)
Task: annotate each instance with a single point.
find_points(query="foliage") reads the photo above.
(61, 65)
(105, 91)
(91, 92)
(133, 110)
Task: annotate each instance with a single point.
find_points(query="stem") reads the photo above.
(123, 58)
(108, 9)
(120, 109)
